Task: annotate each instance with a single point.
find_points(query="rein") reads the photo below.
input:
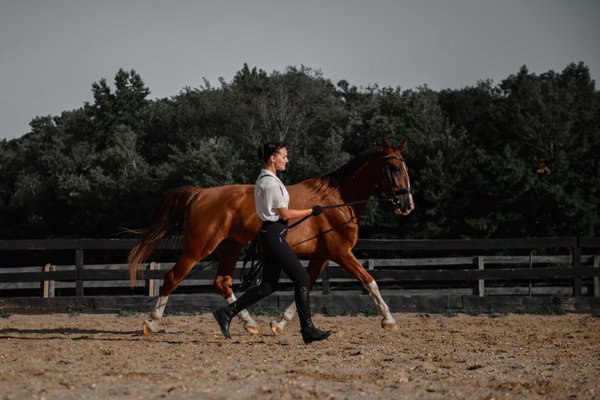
(394, 200)
(250, 276)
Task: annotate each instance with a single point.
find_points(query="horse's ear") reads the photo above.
(384, 143)
(403, 145)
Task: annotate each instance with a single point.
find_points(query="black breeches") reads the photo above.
(276, 256)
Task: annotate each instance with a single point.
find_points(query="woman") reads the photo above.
(272, 198)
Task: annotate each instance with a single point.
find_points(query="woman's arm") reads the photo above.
(290, 213)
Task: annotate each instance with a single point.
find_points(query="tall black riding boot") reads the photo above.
(309, 332)
(225, 314)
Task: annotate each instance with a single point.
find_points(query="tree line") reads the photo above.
(514, 159)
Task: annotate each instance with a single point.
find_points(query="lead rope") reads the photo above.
(352, 203)
(253, 275)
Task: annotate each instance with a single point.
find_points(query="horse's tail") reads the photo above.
(173, 205)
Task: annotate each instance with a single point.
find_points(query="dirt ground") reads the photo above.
(66, 356)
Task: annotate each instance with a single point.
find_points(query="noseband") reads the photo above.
(396, 197)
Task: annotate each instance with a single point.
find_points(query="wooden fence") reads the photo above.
(551, 266)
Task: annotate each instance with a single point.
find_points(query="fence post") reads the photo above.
(480, 287)
(576, 269)
(48, 286)
(152, 284)
(325, 288)
(530, 267)
(78, 268)
(596, 278)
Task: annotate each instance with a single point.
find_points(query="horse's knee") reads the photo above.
(223, 284)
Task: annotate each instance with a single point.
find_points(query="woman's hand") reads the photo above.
(290, 213)
(316, 210)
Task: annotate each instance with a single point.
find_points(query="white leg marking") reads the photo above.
(278, 325)
(388, 322)
(159, 308)
(150, 326)
(249, 324)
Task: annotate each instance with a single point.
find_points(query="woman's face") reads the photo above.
(280, 159)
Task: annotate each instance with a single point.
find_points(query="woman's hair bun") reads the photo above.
(268, 149)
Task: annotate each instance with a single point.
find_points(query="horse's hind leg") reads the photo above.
(172, 279)
(315, 266)
(229, 252)
(249, 324)
(150, 326)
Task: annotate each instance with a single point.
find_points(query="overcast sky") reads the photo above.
(51, 51)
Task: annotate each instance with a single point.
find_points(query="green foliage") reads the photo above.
(206, 164)
(506, 160)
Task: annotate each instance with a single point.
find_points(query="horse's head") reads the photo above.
(394, 181)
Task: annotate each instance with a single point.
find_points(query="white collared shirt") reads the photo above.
(269, 195)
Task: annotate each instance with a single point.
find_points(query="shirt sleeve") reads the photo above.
(274, 196)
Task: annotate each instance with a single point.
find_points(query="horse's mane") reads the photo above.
(339, 176)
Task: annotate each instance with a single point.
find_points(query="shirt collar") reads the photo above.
(265, 171)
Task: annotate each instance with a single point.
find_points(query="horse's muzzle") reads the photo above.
(404, 205)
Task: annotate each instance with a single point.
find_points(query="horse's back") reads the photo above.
(224, 200)
(228, 209)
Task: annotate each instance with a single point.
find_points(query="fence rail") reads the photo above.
(571, 262)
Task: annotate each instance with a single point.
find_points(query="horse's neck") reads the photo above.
(358, 185)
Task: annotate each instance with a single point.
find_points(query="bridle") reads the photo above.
(396, 197)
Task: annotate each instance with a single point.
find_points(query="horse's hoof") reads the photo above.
(389, 325)
(251, 329)
(277, 327)
(149, 327)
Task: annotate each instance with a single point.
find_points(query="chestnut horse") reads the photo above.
(223, 220)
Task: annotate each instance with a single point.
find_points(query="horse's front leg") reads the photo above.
(388, 322)
(355, 268)
(315, 266)
(228, 253)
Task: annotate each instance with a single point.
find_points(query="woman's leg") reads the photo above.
(270, 278)
(277, 255)
(290, 264)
